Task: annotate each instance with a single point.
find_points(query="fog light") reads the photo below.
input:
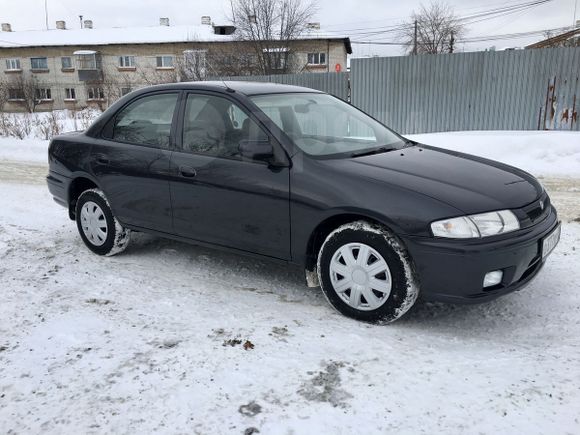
(492, 278)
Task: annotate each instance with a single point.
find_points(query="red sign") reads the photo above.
(337, 67)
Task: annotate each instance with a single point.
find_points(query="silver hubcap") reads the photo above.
(360, 276)
(94, 223)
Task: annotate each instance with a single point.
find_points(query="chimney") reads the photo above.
(61, 25)
(313, 26)
(88, 24)
(164, 21)
(6, 27)
(206, 20)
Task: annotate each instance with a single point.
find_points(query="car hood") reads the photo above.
(468, 183)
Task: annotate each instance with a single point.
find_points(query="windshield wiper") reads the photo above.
(373, 151)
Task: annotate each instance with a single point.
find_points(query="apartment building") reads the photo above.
(75, 68)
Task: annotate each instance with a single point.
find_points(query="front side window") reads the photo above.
(146, 121)
(164, 61)
(322, 125)
(316, 58)
(66, 62)
(13, 64)
(216, 126)
(39, 63)
(43, 94)
(127, 61)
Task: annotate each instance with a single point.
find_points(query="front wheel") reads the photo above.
(99, 229)
(365, 273)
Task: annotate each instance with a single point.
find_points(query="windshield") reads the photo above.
(322, 125)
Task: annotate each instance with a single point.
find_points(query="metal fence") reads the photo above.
(332, 83)
(508, 90)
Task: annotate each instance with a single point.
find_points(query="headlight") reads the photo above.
(476, 225)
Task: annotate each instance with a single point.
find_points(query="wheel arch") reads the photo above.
(321, 232)
(79, 184)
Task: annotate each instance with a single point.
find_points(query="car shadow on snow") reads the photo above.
(287, 283)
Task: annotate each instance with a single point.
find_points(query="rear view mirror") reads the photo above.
(256, 150)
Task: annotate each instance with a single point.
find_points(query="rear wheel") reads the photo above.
(366, 273)
(99, 229)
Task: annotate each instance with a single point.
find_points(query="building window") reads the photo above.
(86, 60)
(164, 61)
(39, 63)
(316, 58)
(13, 65)
(95, 94)
(70, 94)
(125, 91)
(15, 94)
(66, 62)
(276, 57)
(126, 61)
(42, 94)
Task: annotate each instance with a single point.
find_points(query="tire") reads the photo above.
(377, 283)
(93, 211)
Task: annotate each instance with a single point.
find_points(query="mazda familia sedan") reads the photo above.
(295, 175)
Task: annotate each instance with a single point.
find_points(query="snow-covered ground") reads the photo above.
(159, 339)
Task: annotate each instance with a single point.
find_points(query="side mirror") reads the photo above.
(256, 150)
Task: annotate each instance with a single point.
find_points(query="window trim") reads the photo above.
(69, 100)
(106, 132)
(11, 60)
(39, 69)
(279, 151)
(163, 67)
(121, 60)
(46, 92)
(319, 63)
(103, 98)
(67, 68)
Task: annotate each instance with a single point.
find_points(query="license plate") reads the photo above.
(550, 242)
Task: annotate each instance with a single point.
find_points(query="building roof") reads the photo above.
(554, 40)
(128, 35)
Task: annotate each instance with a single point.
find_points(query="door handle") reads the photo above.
(187, 171)
(102, 160)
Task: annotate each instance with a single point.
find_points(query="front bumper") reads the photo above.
(453, 270)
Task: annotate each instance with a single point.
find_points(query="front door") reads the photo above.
(217, 196)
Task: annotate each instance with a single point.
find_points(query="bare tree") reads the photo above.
(3, 93)
(27, 88)
(270, 26)
(434, 29)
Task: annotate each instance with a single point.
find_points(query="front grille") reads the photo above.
(536, 212)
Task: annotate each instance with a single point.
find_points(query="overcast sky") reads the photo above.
(333, 15)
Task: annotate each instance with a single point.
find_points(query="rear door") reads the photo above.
(131, 162)
(217, 196)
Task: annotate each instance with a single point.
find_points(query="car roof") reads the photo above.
(246, 88)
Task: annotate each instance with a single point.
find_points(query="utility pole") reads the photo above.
(46, 13)
(451, 42)
(81, 20)
(415, 39)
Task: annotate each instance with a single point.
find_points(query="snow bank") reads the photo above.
(28, 150)
(547, 153)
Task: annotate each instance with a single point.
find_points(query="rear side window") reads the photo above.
(146, 121)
